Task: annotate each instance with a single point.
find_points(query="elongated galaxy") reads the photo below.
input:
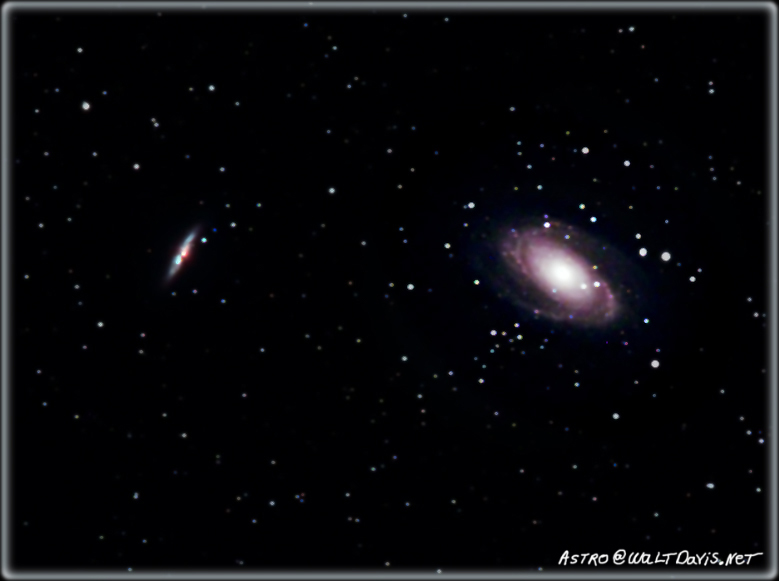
(552, 270)
(184, 251)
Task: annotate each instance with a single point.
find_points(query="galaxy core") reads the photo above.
(552, 270)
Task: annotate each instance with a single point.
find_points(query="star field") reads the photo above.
(415, 289)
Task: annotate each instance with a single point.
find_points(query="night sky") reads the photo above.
(345, 371)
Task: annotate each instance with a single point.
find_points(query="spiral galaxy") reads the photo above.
(552, 270)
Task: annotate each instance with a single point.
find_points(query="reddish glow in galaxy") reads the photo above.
(185, 250)
(554, 272)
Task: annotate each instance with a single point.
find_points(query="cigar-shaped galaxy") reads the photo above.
(184, 251)
(552, 270)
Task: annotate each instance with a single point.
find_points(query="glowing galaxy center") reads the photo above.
(561, 273)
(551, 272)
(182, 254)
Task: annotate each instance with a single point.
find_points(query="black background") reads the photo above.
(317, 416)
